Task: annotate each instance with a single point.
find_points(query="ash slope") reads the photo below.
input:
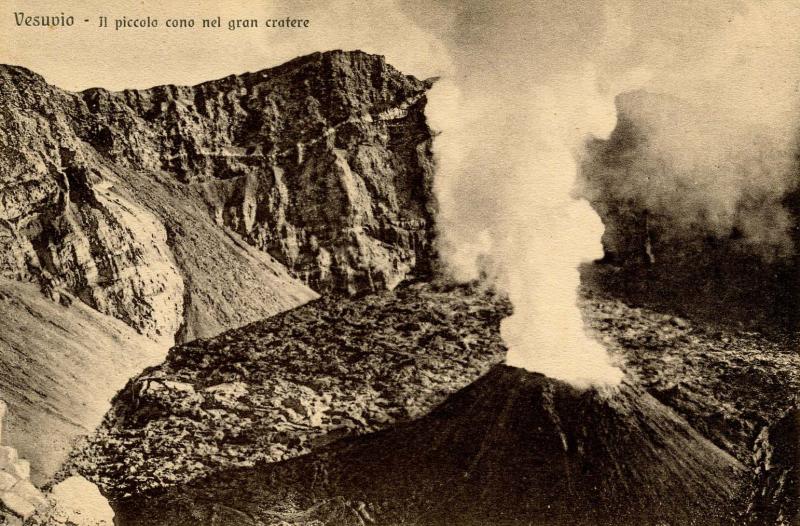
(54, 348)
(179, 209)
(511, 448)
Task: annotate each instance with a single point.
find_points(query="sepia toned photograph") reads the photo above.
(400, 263)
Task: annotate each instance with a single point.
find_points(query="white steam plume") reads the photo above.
(505, 189)
(529, 82)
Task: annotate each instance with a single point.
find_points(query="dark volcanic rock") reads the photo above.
(282, 387)
(727, 383)
(776, 483)
(512, 448)
(312, 380)
(178, 209)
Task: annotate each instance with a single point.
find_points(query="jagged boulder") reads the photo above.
(75, 502)
(19, 499)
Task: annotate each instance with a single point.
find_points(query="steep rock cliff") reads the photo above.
(323, 162)
(62, 225)
(179, 209)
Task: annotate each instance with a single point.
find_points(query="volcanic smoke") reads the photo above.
(537, 232)
(506, 172)
(521, 102)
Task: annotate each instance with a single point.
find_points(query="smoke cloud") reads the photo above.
(505, 183)
(529, 83)
(715, 128)
(697, 173)
(512, 117)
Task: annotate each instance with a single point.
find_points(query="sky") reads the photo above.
(85, 55)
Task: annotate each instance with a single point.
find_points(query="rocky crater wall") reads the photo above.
(316, 173)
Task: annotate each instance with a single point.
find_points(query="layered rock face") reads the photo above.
(131, 201)
(323, 162)
(63, 225)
